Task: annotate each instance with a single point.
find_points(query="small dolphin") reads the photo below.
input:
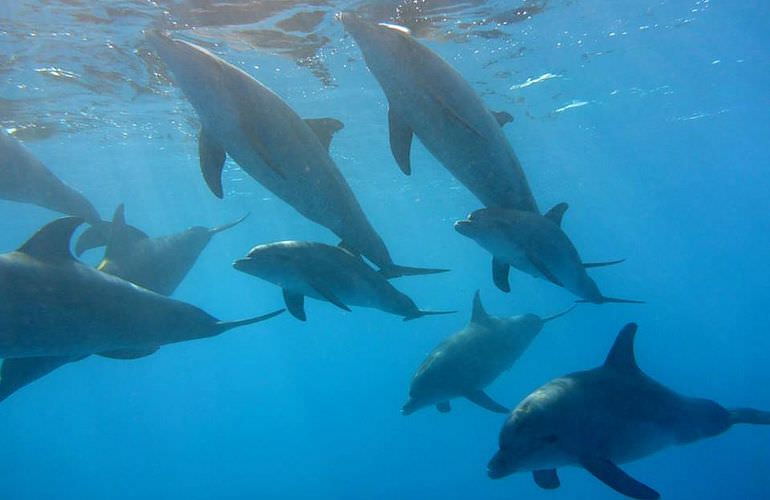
(288, 155)
(158, 264)
(325, 273)
(25, 179)
(536, 245)
(429, 99)
(54, 310)
(610, 415)
(471, 359)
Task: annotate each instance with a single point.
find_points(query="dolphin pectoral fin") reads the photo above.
(212, 160)
(324, 129)
(543, 269)
(328, 295)
(400, 141)
(128, 353)
(547, 479)
(500, 274)
(444, 407)
(52, 241)
(295, 303)
(556, 214)
(482, 399)
(614, 477)
(18, 372)
(502, 117)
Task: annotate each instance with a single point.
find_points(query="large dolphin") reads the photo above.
(536, 245)
(25, 179)
(325, 273)
(158, 264)
(600, 418)
(54, 310)
(243, 118)
(471, 359)
(429, 99)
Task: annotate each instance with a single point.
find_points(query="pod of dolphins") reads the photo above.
(56, 310)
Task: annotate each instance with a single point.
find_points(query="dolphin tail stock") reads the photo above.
(588, 265)
(559, 315)
(225, 227)
(609, 300)
(396, 271)
(749, 416)
(223, 326)
(420, 313)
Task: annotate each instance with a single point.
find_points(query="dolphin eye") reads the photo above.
(551, 438)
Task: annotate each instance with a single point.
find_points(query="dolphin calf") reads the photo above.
(429, 99)
(54, 310)
(243, 118)
(326, 273)
(158, 264)
(471, 359)
(536, 245)
(25, 179)
(600, 418)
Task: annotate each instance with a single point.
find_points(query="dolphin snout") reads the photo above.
(242, 264)
(462, 226)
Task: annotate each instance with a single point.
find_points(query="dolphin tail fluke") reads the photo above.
(225, 227)
(421, 313)
(559, 315)
(749, 416)
(610, 300)
(396, 271)
(227, 325)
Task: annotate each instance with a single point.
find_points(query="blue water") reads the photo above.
(662, 156)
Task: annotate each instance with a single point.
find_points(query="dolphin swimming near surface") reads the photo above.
(471, 359)
(325, 273)
(243, 118)
(54, 310)
(429, 99)
(536, 245)
(25, 179)
(158, 264)
(611, 415)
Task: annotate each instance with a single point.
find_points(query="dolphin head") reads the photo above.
(531, 438)
(273, 262)
(488, 226)
(378, 39)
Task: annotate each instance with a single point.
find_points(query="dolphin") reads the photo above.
(158, 264)
(55, 309)
(243, 118)
(613, 414)
(536, 245)
(325, 273)
(25, 179)
(471, 359)
(429, 99)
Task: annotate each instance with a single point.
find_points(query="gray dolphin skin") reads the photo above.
(429, 99)
(158, 264)
(243, 118)
(25, 179)
(471, 359)
(611, 415)
(536, 245)
(54, 310)
(327, 273)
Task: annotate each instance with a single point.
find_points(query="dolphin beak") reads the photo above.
(242, 265)
(497, 468)
(463, 227)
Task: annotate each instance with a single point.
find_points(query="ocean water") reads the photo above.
(650, 118)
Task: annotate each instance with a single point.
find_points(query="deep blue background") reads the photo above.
(665, 165)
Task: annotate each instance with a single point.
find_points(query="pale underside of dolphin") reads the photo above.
(430, 99)
(54, 310)
(25, 179)
(244, 119)
(465, 363)
(610, 415)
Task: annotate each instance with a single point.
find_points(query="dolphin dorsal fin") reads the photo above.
(621, 356)
(324, 129)
(52, 241)
(557, 213)
(479, 314)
